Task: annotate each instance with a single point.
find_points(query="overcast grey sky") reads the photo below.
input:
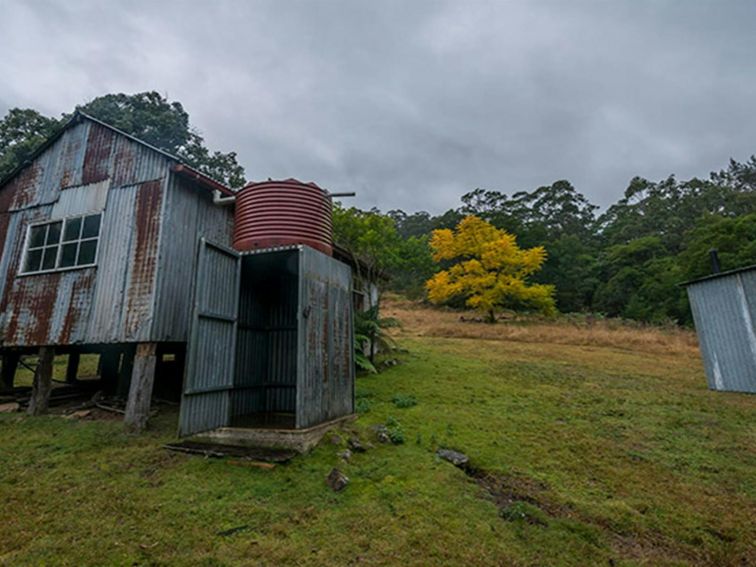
(411, 104)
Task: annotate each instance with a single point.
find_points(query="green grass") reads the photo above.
(584, 455)
(87, 368)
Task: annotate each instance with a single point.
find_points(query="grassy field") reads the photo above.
(591, 444)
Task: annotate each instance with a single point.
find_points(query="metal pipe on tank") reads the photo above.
(222, 201)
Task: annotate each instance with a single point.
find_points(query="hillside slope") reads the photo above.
(580, 454)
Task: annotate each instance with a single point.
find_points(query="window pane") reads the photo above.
(48, 261)
(68, 255)
(91, 226)
(37, 236)
(53, 233)
(72, 230)
(33, 259)
(87, 252)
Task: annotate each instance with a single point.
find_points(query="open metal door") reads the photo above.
(211, 350)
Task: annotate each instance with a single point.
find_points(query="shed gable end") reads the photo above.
(89, 168)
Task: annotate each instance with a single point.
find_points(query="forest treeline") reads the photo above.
(627, 261)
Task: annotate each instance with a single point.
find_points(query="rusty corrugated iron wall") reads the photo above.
(92, 168)
(188, 213)
(325, 382)
(209, 381)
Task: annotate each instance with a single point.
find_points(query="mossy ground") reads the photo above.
(590, 455)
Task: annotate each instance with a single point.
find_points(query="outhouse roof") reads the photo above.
(720, 274)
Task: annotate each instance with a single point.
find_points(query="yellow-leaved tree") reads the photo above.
(489, 270)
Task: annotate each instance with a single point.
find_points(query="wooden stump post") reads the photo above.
(125, 372)
(42, 384)
(140, 392)
(109, 360)
(72, 369)
(8, 372)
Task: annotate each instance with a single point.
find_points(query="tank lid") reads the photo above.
(289, 181)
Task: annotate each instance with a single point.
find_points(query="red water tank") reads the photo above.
(280, 213)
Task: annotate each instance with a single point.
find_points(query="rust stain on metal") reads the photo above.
(4, 221)
(325, 335)
(77, 304)
(12, 269)
(21, 189)
(6, 197)
(73, 146)
(33, 299)
(144, 261)
(97, 157)
(123, 164)
(15, 254)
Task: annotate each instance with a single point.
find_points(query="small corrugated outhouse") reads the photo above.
(271, 342)
(724, 313)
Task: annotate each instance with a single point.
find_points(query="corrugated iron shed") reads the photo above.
(154, 208)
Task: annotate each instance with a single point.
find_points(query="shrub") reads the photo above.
(363, 405)
(395, 431)
(404, 401)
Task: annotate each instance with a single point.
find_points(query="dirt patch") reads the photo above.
(524, 499)
(517, 497)
(217, 450)
(653, 549)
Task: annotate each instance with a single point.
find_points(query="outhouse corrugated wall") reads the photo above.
(271, 338)
(724, 312)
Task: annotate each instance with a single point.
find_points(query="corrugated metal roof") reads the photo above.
(720, 274)
(184, 169)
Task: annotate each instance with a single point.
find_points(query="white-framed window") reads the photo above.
(62, 244)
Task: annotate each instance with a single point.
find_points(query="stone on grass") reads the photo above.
(381, 433)
(356, 445)
(346, 454)
(454, 457)
(9, 407)
(337, 480)
(79, 414)
(335, 440)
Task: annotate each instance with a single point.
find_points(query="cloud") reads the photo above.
(413, 104)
